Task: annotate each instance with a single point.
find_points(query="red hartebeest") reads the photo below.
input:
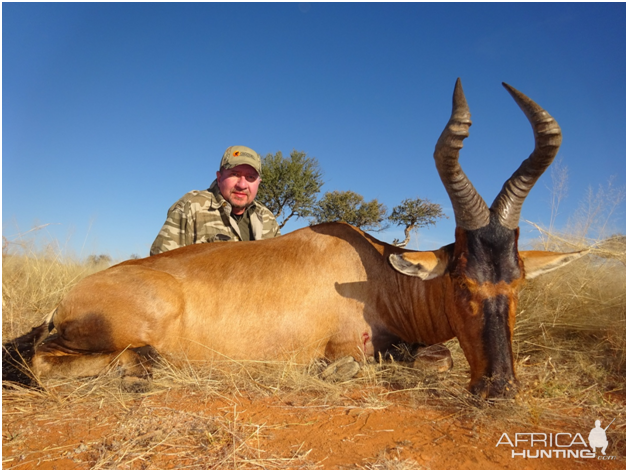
(324, 291)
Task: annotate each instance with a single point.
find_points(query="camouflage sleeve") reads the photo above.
(269, 224)
(175, 232)
(274, 229)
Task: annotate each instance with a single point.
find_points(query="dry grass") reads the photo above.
(133, 434)
(572, 322)
(33, 282)
(570, 351)
(390, 460)
(183, 439)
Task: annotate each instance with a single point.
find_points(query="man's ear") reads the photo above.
(423, 264)
(541, 262)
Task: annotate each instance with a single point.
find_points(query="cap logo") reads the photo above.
(236, 153)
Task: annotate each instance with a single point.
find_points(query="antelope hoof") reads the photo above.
(435, 358)
(342, 370)
(497, 387)
(132, 384)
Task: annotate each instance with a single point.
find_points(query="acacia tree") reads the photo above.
(351, 208)
(290, 185)
(414, 214)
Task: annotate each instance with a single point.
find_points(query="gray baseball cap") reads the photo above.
(238, 155)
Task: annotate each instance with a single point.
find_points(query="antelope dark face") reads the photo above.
(485, 273)
(486, 269)
(481, 273)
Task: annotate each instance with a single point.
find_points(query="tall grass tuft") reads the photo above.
(571, 324)
(34, 280)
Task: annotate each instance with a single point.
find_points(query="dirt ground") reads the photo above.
(365, 428)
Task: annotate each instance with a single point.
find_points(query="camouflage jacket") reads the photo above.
(204, 216)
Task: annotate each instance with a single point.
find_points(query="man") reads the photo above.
(597, 437)
(226, 211)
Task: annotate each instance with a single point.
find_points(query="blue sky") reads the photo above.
(113, 111)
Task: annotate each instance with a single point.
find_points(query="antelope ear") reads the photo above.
(541, 262)
(423, 264)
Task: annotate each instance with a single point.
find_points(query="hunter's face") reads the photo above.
(238, 186)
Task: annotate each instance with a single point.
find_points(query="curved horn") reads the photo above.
(469, 208)
(547, 138)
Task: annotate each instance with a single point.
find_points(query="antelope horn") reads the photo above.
(547, 139)
(469, 208)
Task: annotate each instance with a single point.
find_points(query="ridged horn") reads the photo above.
(547, 139)
(470, 209)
